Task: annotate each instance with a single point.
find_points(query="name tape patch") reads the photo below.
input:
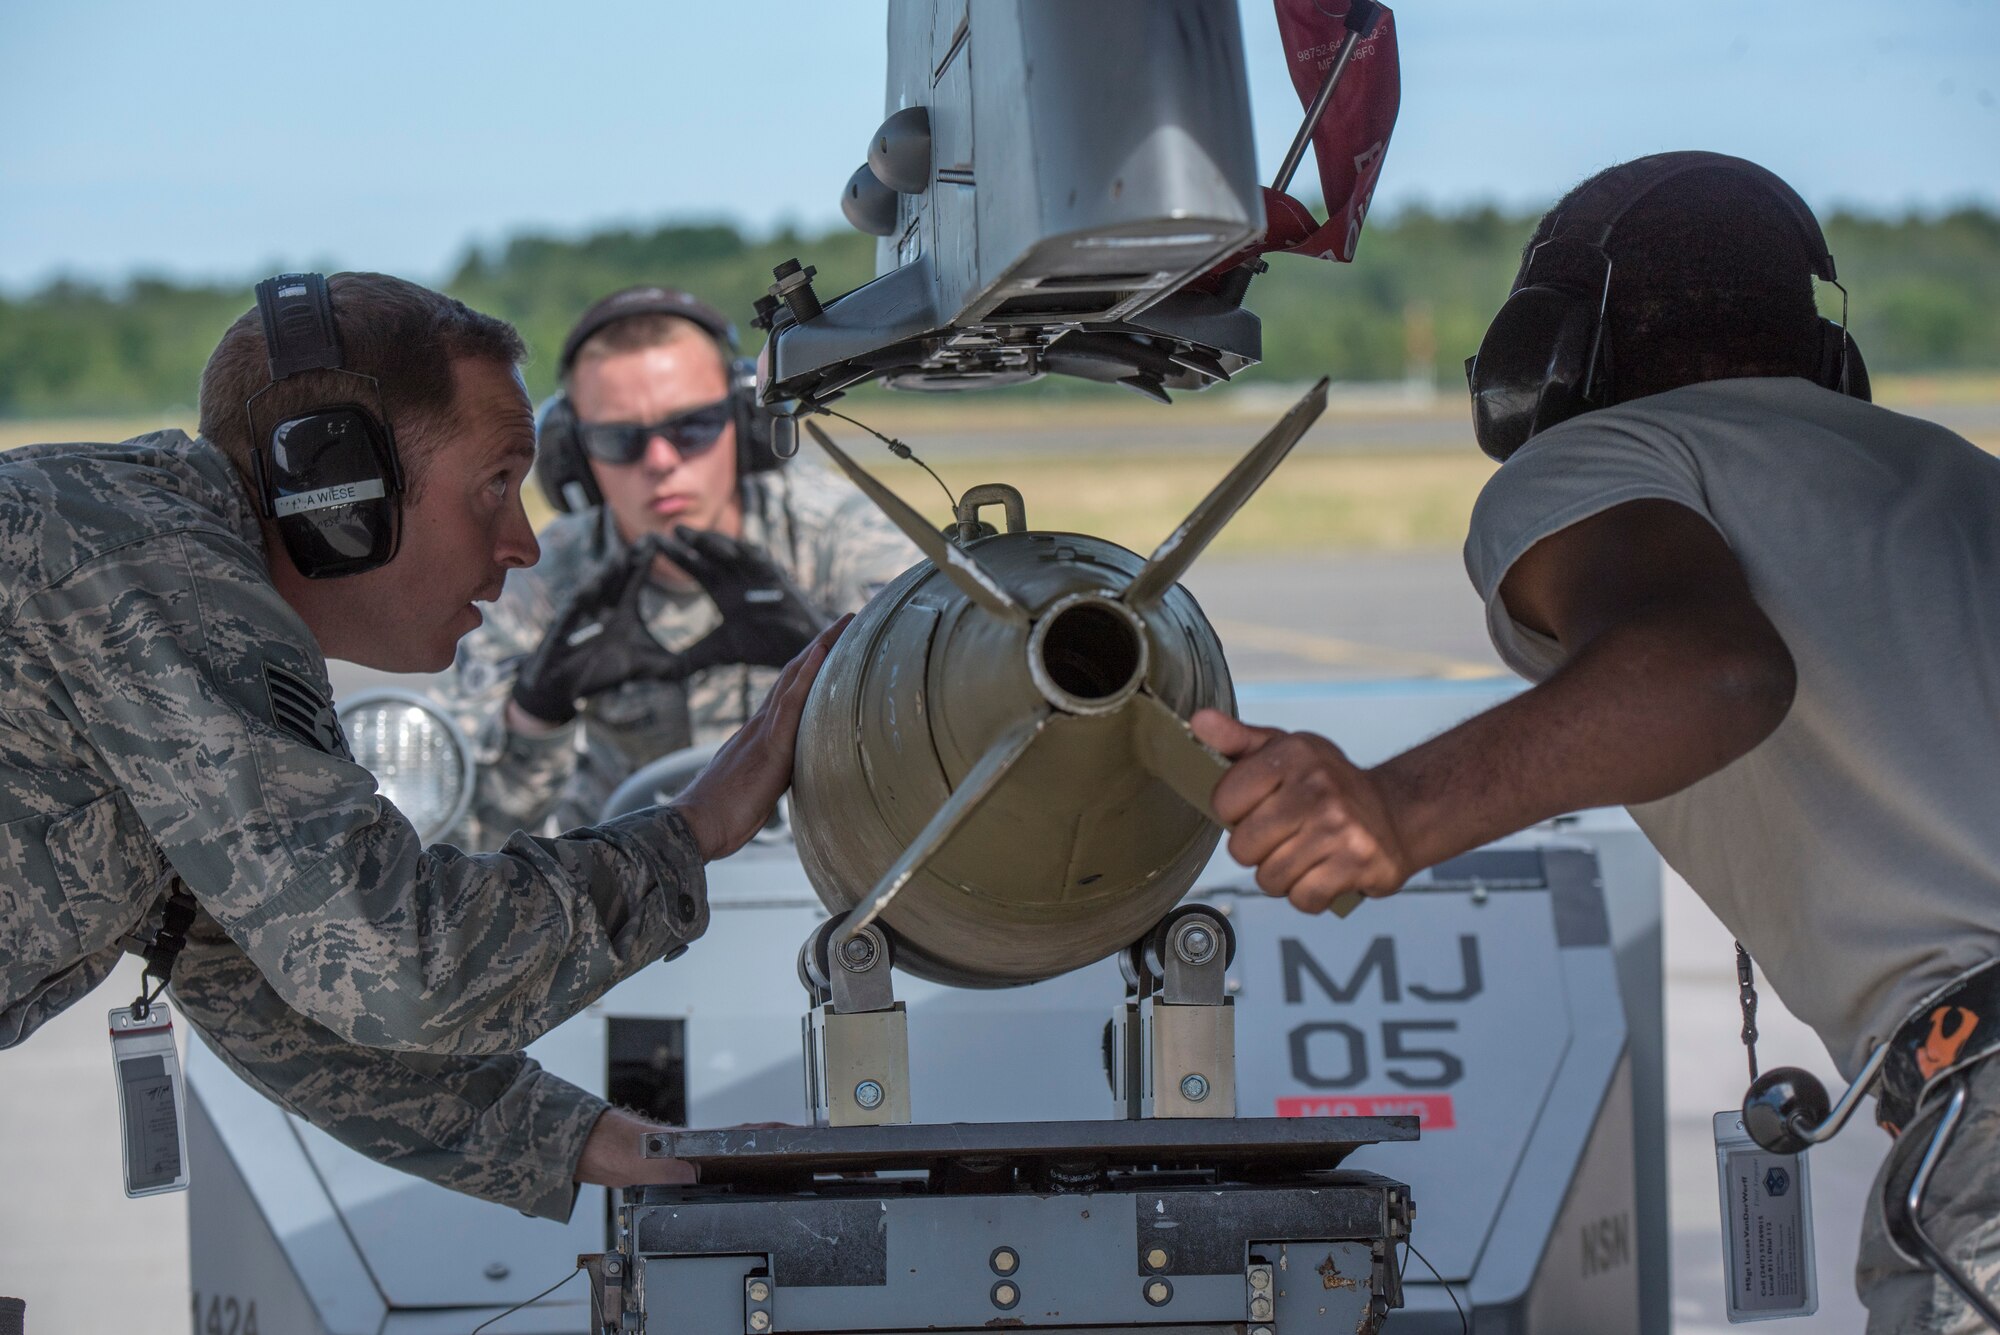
(325, 498)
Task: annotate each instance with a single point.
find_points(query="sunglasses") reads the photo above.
(691, 433)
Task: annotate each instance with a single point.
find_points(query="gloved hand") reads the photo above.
(598, 642)
(766, 620)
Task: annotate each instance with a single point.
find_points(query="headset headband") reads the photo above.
(1544, 357)
(299, 333)
(645, 300)
(1597, 209)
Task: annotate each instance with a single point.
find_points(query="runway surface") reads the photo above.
(90, 1262)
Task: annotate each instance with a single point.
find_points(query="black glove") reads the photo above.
(598, 642)
(766, 620)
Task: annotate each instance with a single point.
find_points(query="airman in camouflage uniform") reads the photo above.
(140, 640)
(169, 751)
(833, 543)
(653, 441)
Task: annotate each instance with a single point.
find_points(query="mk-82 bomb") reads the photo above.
(994, 759)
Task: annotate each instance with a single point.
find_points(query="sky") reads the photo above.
(223, 139)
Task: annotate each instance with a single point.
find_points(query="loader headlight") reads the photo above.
(419, 758)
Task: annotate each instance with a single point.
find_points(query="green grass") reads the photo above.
(1353, 500)
(1383, 501)
(1313, 502)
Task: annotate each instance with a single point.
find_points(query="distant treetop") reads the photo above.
(1415, 301)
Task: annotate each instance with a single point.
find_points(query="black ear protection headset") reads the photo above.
(562, 468)
(1545, 359)
(328, 476)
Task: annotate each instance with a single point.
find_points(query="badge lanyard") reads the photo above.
(152, 1096)
(1767, 1239)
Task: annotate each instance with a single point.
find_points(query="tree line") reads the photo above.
(1925, 288)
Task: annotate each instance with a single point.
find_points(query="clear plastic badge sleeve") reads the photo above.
(152, 1097)
(1767, 1241)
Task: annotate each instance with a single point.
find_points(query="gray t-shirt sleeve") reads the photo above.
(1565, 475)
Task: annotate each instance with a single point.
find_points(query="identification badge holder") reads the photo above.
(1767, 1240)
(152, 1101)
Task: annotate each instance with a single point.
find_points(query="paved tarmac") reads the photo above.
(90, 1262)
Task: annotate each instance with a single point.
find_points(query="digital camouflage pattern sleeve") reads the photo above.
(164, 717)
(498, 1127)
(171, 658)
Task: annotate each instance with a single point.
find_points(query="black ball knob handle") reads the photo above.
(1780, 1104)
(900, 153)
(868, 205)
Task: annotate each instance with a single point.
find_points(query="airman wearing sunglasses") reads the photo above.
(687, 568)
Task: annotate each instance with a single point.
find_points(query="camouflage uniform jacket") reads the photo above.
(164, 716)
(828, 537)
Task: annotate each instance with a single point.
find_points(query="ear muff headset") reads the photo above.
(561, 466)
(1544, 358)
(328, 476)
